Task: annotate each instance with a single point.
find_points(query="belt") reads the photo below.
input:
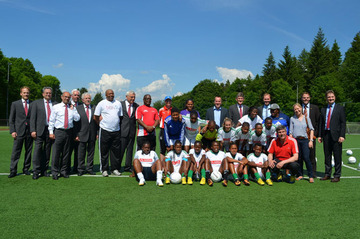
(300, 137)
(63, 129)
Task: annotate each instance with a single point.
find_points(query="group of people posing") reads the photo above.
(239, 144)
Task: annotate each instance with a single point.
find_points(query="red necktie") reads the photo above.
(241, 114)
(66, 120)
(87, 111)
(129, 110)
(305, 110)
(26, 108)
(328, 118)
(48, 111)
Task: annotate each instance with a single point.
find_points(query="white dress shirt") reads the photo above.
(57, 117)
(51, 109)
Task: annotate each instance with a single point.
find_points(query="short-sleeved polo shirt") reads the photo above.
(283, 151)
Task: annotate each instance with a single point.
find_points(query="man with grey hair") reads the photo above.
(75, 96)
(238, 110)
(39, 121)
(85, 134)
(128, 129)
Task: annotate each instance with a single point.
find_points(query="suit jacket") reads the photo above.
(128, 124)
(234, 113)
(18, 119)
(337, 122)
(210, 114)
(260, 111)
(83, 129)
(38, 117)
(315, 117)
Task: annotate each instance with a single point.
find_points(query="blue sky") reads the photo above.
(165, 47)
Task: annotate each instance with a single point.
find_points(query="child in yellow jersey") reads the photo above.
(207, 135)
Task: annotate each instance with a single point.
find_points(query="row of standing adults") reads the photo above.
(112, 115)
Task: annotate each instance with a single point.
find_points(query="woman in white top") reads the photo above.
(252, 118)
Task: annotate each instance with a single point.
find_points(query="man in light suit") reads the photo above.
(264, 110)
(39, 121)
(332, 132)
(312, 111)
(217, 113)
(238, 110)
(19, 122)
(85, 134)
(128, 129)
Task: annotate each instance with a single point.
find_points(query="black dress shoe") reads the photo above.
(35, 176)
(11, 175)
(128, 170)
(65, 175)
(335, 180)
(55, 177)
(26, 172)
(80, 174)
(45, 174)
(91, 173)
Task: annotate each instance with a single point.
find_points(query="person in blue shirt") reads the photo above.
(174, 129)
(279, 118)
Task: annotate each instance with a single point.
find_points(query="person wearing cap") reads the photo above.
(164, 112)
(238, 110)
(264, 110)
(147, 118)
(279, 118)
(217, 113)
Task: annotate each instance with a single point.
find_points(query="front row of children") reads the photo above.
(208, 167)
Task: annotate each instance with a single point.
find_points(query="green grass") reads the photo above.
(94, 207)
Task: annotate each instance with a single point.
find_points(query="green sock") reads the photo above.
(183, 175)
(168, 175)
(246, 176)
(257, 175)
(235, 176)
(267, 175)
(190, 174)
(203, 173)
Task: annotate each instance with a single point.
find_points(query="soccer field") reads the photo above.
(116, 207)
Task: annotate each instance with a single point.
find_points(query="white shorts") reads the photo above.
(189, 141)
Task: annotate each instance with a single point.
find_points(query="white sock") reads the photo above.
(141, 176)
(159, 174)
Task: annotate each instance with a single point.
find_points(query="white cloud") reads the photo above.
(179, 94)
(115, 82)
(59, 65)
(232, 74)
(157, 89)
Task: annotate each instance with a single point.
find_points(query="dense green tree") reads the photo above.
(270, 71)
(54, 83)
(335, 56)
(283, 95)
(97, 98)
(158, 104)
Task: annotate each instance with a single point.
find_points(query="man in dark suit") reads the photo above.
(264, 110)
(75, 96)
(128, 129)
(19, 122)
(39, 121)
(313, 112)
(238, 110)
(217, 113)
(332, 132)
(85, 134)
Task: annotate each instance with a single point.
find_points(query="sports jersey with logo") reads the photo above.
(173, 130)
(261, 159)
(163, 113)
(215, 159)
(148, 115)
(257, 139)
(283, 119)
(191, 129)
(146, 160)
(196, 156)
(176, 159)
(226, 137)
(238, 157)
(243, 139)
(253, 122)
(110, 112)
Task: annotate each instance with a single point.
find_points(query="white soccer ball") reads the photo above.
(352, 159)
(216, 176)
(349, 152)
(175, 178)
(333, 162)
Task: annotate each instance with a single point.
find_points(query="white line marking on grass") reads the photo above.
(95, 176)
(346, 166)
(350, 148)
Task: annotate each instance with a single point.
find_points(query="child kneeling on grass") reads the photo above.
(176, 161)
(147, 165)
(197, 164)
(216, 162)
(259, 165)
(237, 163)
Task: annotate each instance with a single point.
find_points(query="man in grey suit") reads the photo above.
(39, 121)
(85, 134)
(264, 110)
(128, 129)
(75, 96)
(217, 113)
(238, 110)
(19, 122)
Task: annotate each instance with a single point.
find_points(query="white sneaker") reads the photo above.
(105, 174)
(116, 172)
(141, 182)
(159, 183)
